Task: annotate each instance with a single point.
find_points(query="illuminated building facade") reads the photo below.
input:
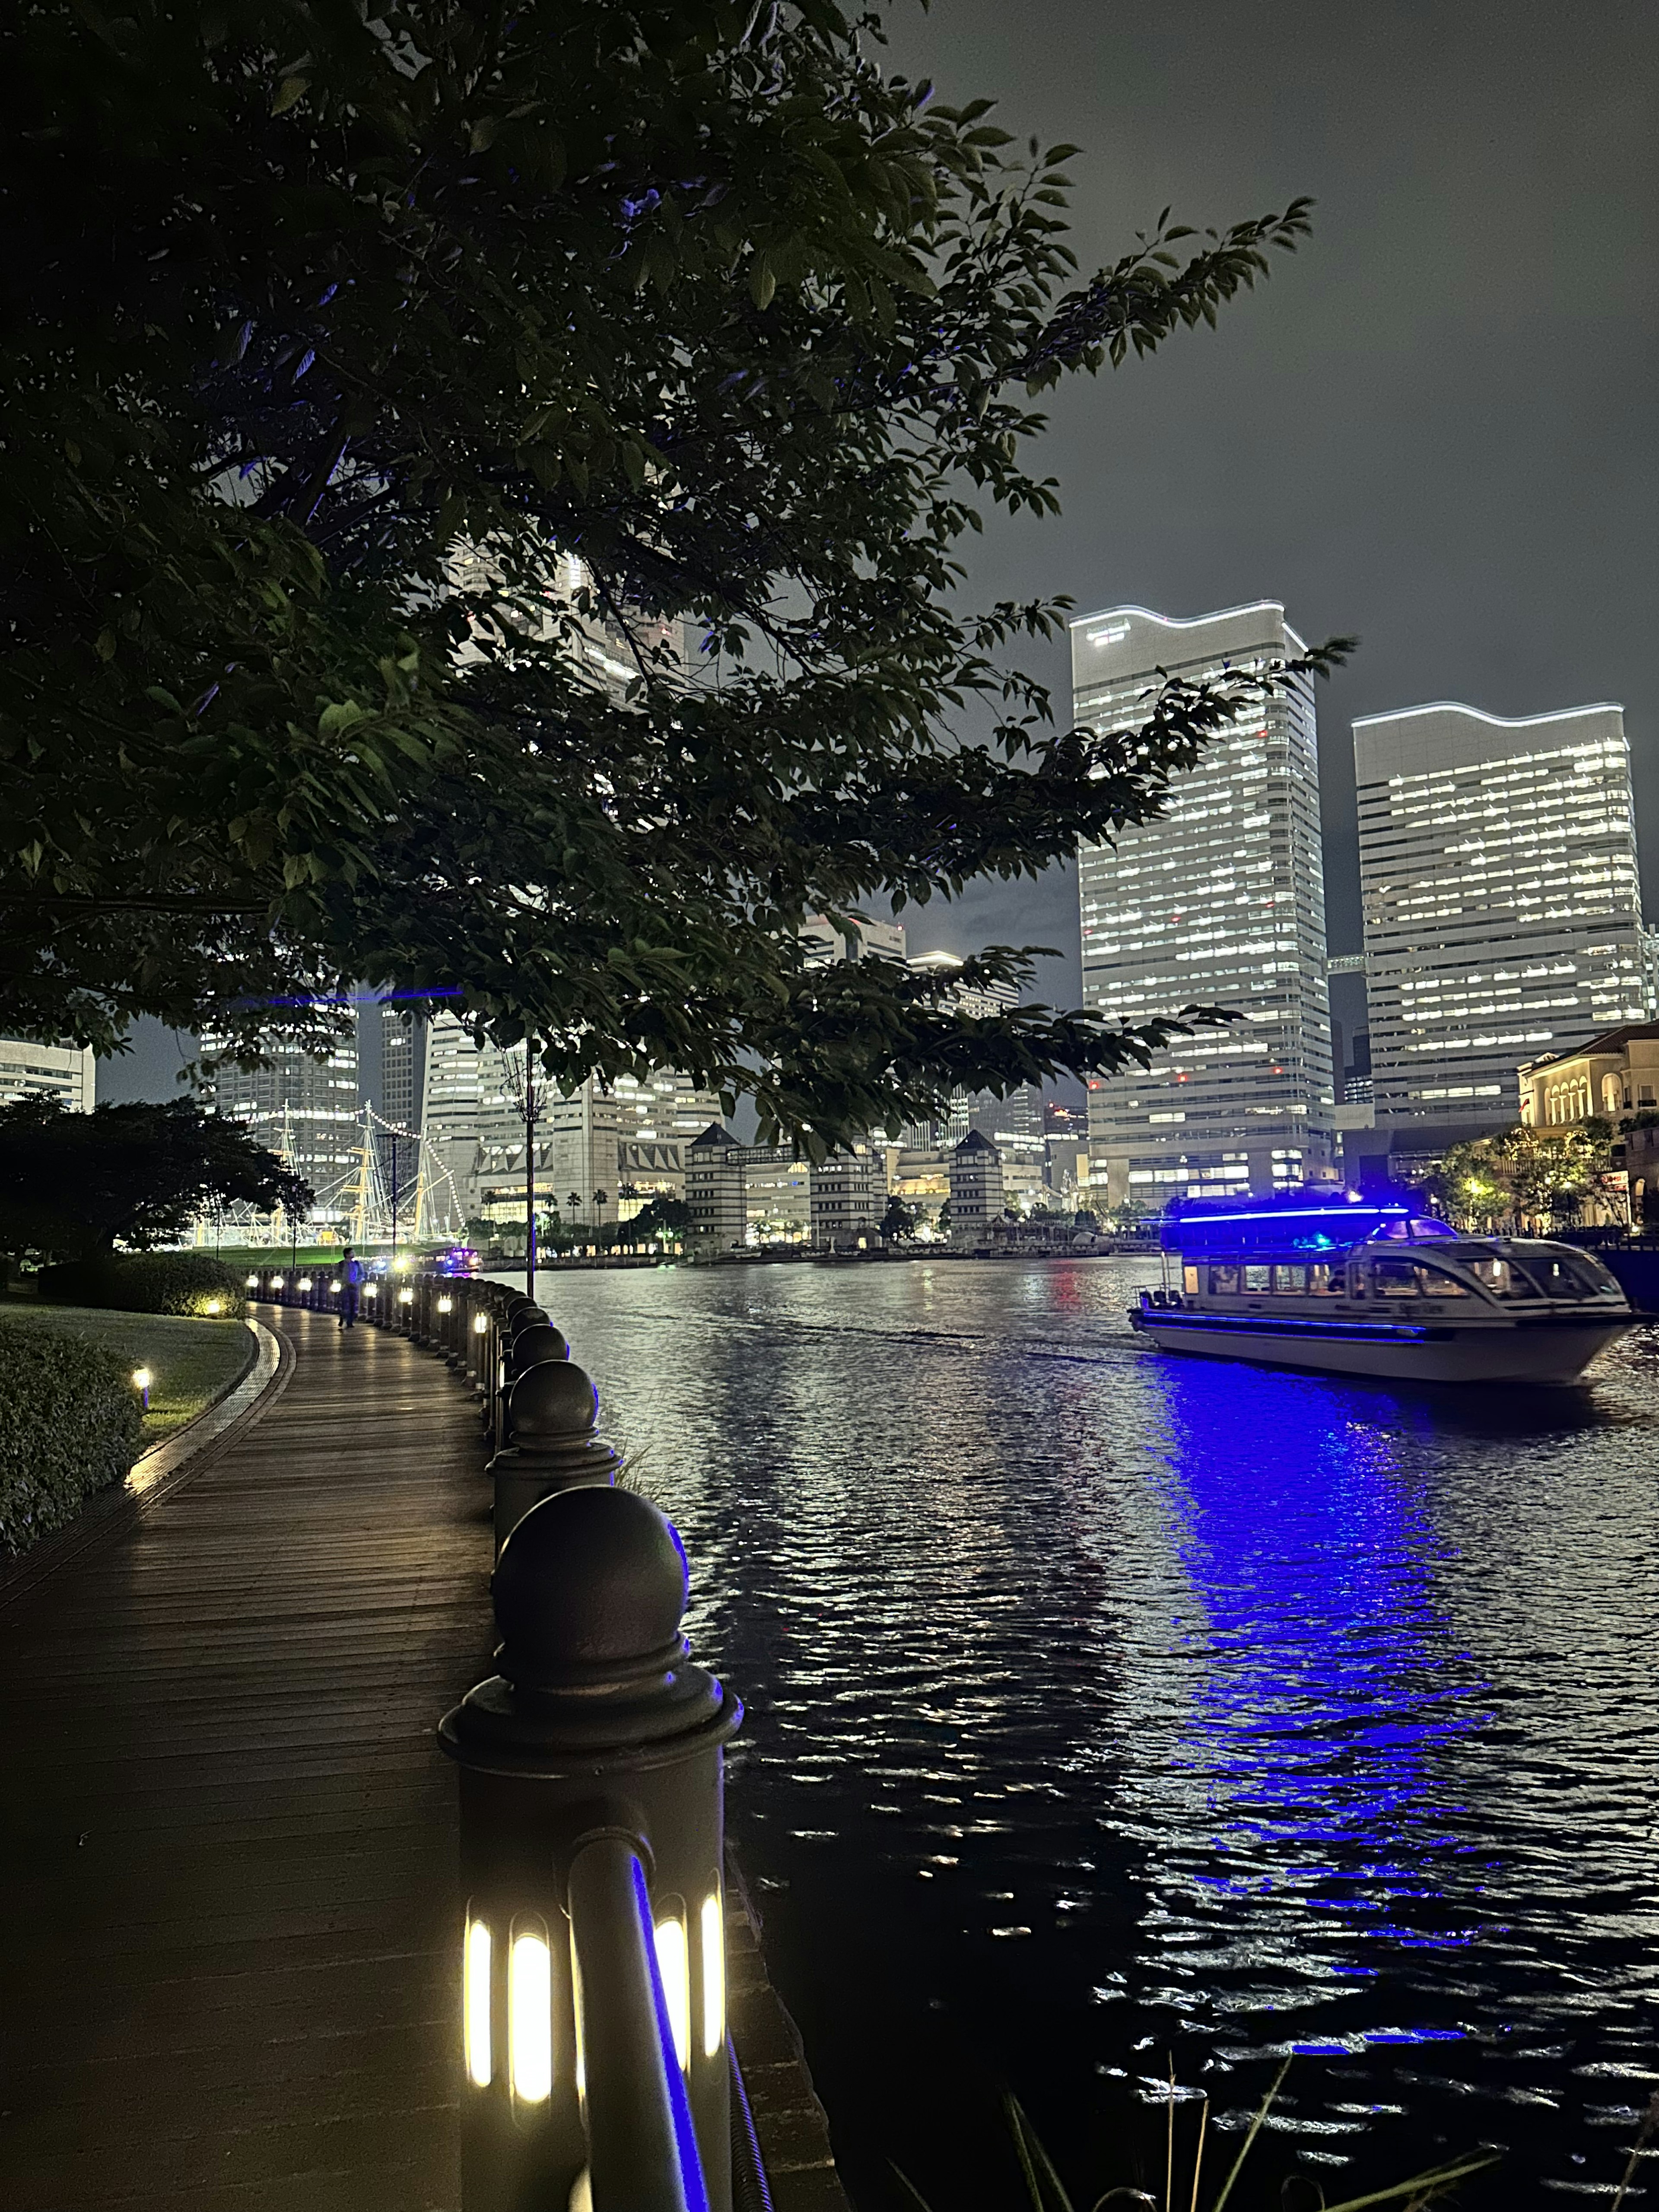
(1501, 910)
(305, 1111)
(46, 1070)
(1220, 902)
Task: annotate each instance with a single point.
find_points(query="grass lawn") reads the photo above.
(191, 1362)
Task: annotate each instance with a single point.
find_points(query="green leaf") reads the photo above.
(288, 92)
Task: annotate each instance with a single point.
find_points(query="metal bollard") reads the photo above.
(553, 1410)
(535, 1343)
(593, 1957)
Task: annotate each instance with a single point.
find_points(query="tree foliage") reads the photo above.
(1523, 1177)
(389, 388)
(72, 1185)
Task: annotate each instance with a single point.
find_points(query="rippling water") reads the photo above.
(1111, 1710)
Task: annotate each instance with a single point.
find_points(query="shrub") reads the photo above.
(148, 1282)
(70, 1425)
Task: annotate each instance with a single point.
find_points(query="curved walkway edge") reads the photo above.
(164, 1468)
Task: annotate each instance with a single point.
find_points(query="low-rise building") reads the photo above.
(1613, 1074)
(975, 1190)
(848, 1195)
(715, 1195)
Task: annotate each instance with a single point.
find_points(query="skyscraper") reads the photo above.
(47, 1071)
(1221, 901)
(306, 1110)
(1502, 910)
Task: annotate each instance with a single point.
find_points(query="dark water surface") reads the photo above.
(1108, 1710)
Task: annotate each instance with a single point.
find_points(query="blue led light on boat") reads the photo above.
(1290, 1223)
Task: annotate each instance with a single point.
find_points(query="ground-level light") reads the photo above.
(371, 1290)
(480, 1324)
(276, 1282)
(253, 1283)
(214, 1306)
(304, 1283)
(405, 1297)
(445, 1305)
(141, 1383)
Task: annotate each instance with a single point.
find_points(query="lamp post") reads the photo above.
(522, 1084)
(593, 1951)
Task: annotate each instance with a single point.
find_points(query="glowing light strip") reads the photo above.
(1475, 714)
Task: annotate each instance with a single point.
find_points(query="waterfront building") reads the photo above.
(777, 1194)
(848, 1194)
(1608, 1078)
(1502, 909)
(1219, 901)
(825, 943)
(714, 1196)
(47, 1071)
(976, 1198)
(305, 1111)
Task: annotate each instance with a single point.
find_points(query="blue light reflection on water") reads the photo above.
(1105, 1706)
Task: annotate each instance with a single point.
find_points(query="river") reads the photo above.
(1112, 1713)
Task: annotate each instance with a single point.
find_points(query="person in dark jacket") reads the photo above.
(351, 1277)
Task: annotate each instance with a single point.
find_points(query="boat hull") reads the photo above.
(1543, 1350)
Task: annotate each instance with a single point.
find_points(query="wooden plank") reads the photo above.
(227, 1837)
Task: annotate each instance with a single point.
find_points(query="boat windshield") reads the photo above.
(1560, 1272)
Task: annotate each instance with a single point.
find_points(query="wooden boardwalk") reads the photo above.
(227, 1838)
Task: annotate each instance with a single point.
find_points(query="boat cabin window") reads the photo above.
(1289, 1280)
(1189, 1282)
(1497, 1277)
(1224, 1279)
(1570, 1275)
(1325, 1280)
(1414, 1278)
(1257, 1277)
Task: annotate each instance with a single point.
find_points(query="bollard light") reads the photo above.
(276, 1282)
(253, 1283)
(481, 1324)
(214, 1306)
(141, 1382)
(597, 1752)
(305, 1283)
(334, 1288)
(371, 1290)
(445, 1305)
(405, 1297)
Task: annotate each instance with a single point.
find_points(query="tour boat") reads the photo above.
(1371, 1286)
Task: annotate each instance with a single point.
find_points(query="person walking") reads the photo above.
(351, 1276)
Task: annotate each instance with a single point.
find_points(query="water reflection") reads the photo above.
(1107, 1706)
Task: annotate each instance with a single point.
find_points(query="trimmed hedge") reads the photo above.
(70, 1425)
(148, 1282)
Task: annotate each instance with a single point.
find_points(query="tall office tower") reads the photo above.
(306, 1110)
(1221, 901)
(1020, 1115)
(46, 1070)
(1501, 910)
(403, 1084)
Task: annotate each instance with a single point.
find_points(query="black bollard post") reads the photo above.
(553, 1410)
(533, 1342)
(592, 1956)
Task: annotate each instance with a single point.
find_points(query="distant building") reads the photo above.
(777, 1194)
(826, 943)
(47, 1071)
(305, 1111)
(975, 1190)
(1607, 1078)
(1502, 910)
(849, 1195)
(714, 1197)
(1219, 901)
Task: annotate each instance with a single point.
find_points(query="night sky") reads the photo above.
(1433, 429)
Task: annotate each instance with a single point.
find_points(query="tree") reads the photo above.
(72, 1185)
(660, 1220)
(900, 1221)
(381, 381)
(1522, 1176)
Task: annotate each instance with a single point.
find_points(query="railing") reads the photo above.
(598, 2064)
